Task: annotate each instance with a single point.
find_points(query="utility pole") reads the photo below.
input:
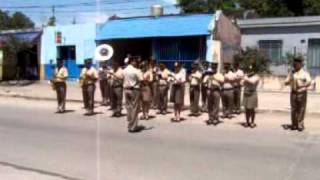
(53, 11)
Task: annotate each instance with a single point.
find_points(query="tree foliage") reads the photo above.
(253, 56)
(264, 8)
(17, 20)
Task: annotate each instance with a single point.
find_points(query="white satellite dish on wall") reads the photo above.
(104, 52)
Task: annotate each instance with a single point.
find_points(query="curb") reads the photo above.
(259, 110)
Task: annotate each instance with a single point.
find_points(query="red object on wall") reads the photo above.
(58, 37)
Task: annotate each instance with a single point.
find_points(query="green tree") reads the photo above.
(311, 7)
(52, 21)
(20, 21)
(267, 8)
(4, 20)
(252, 56)
(196, 6)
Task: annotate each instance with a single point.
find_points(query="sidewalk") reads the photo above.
(270, 101)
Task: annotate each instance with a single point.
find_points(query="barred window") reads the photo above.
(314, 53)
(272, 49)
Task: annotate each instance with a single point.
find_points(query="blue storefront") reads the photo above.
(72, 43)
(166, 38)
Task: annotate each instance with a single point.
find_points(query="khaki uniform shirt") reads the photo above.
(180, 77)
(164, 77)
(239, 75)
(229, 77)
(89, 75)
(299, 81)
(148, 76)
(215, 81)
(195, 78)
(251, 83)
(60, 75)
(132, 77)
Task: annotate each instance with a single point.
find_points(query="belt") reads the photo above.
(229, 89)
(214, 89)
(297, 92)
(163, 84)
(131, 88)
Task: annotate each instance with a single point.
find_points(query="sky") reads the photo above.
(84, 11)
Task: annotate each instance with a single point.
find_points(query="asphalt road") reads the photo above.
(75, 147)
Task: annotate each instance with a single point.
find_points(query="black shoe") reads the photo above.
(253, 125)
(300, 129)
(137, 129)
(293, 128)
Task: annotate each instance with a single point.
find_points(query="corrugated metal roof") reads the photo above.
(164, 26)
(27, 36)
(279, 22)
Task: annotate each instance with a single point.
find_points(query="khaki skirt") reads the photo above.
(250, 100)
(177, 94)
(146, 93)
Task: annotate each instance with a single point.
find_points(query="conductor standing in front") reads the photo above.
(132, 92)
(299, 80)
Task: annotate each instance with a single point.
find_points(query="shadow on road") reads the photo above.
(39, 171)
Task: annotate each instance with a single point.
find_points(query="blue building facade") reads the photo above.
(168, 39)
(71, 43)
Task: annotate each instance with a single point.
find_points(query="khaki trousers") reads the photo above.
(132, 97)
(237, 98)
(194, 99)
(298, 101)
(116, 99)
(61, 89)
(227, 102)
(213, 104)
(88, 96)
(163, 98)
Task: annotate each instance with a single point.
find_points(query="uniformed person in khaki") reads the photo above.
(163, 86)
(103, 83)
(204, 88)
(227, 91)
(154, 85)
(88, 78)
(132, 84)
(299, 80)
(195, 82)
(59, 84)
(214, 83)
(117, 89)
(239, 75)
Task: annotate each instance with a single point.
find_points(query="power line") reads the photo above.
(84, 4)
(53, 11)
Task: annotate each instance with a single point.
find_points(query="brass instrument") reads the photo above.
(83, 79)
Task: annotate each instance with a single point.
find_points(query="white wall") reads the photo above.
(290, 42)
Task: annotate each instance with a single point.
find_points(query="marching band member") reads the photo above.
(204, 107)
(103, 82)
(239, 75)
(116, 74)
(163, 86)
(214, 82)
(227, 91)
(195, 81)
(146, 89)
(59, 84)
(177, 96)
(250, 96)
(299, 80)
(88, 78)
